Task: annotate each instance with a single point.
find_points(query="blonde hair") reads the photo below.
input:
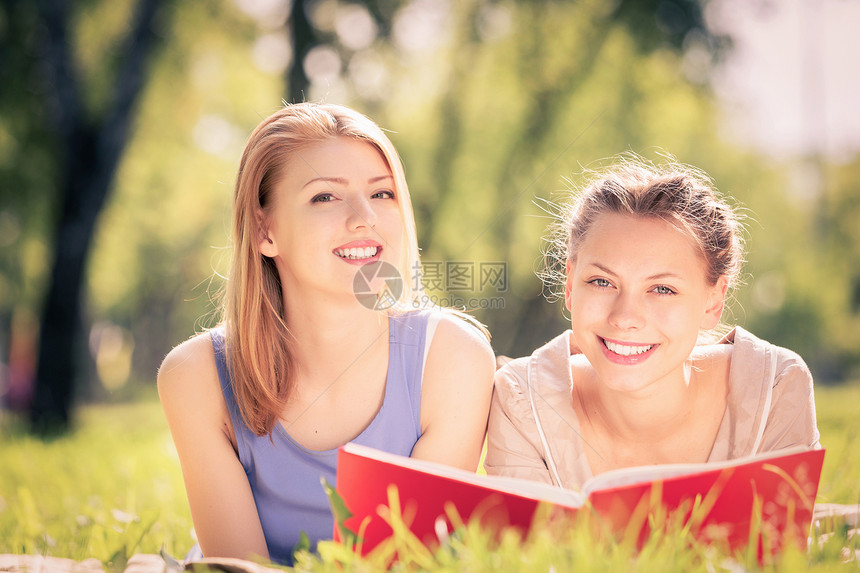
(258, 341)
(679, 194)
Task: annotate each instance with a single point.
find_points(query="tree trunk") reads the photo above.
(303, 38)
(88, 156)
(61, 331)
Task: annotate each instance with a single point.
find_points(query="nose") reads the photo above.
(361, 214)
(627, 312)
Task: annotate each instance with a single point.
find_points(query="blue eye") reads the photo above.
(664, 290)
(383, 195)
(602, 283)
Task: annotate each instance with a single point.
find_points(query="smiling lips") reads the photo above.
(359, 253)
(626, 353)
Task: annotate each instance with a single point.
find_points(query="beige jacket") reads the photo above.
(534, 433)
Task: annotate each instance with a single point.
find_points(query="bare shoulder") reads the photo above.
(455, 337)
(460, 362)
(189, 367)
(455, 393)
(191, 395)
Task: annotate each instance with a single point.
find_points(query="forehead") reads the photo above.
(640, 245)
(347, 158)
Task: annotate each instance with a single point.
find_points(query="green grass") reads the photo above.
(108, 490)
(839, 423)
(113, 488)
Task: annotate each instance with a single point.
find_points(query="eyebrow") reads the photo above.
(658, 276)
(343, 181)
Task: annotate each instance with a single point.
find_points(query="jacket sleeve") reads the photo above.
(513, 444)
(791, 420)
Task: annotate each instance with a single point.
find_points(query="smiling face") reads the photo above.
(333, 210)
(638, 296)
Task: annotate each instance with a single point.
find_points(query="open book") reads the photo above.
(767, 499)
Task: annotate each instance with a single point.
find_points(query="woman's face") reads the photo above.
(638, 296)
(333, 211)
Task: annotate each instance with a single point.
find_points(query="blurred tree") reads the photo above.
(25, 190)
(160, 249)
(303, 38)
(513, 75)
(83, 146)
(491, 104)
(551, 51)
(843, 242)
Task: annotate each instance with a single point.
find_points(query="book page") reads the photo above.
(521, 487)
(644, 474)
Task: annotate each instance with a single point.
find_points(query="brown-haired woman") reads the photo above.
(649, 253)
(307, 356)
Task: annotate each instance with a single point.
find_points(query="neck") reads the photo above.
(648, 415)
(329, 335)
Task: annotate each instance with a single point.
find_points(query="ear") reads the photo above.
(568, 284)
(716, 304)
(265, 243)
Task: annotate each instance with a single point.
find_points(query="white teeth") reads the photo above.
(625, 350)
(357, 253)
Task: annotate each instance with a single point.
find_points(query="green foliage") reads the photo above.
(163, 237)
(113, 488)
(340, 512)
(27, 172)
(841, 237)
(503, 121)
(507, 101)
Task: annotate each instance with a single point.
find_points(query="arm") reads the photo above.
(222, 505)
(791, 420)
(455, 395)
(513, 445)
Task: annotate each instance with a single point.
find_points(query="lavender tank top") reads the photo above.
(285, 476)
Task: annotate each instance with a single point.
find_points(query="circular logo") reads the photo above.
(370, 275)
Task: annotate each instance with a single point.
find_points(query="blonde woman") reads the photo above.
(650, 253)
(301, 362)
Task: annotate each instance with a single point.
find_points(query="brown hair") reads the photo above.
(258, 355)
(679, 194)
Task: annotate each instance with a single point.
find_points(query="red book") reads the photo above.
(766, 499)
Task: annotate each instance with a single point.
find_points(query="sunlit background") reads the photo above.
(495, 107)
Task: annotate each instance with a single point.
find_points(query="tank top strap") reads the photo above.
(407, 337)
(219, 345)
(407, 341)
